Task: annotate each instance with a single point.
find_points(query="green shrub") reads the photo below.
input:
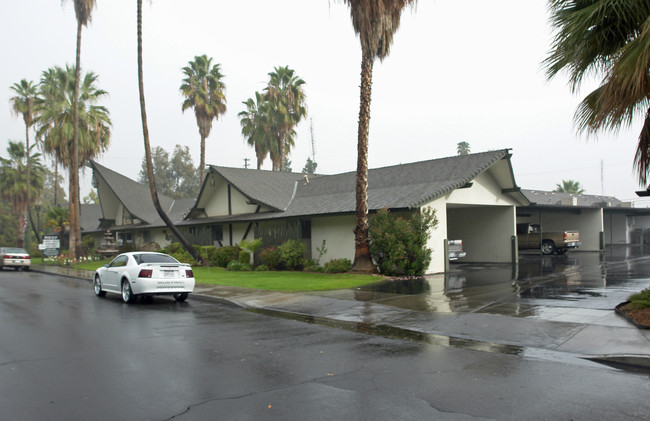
(235, 265)
(261, 268)
(314, 268)
(126, 247)
(291, 253)
(244, 256)
(174, 248)
(338, 266)
(398, 245)
(224, 255)
(270, 257)
(640, 300)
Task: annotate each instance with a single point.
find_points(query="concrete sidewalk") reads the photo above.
(618, 344)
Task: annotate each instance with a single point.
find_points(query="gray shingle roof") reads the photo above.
(270, 188)
(395, 187)
(549, 198)
(136, 197)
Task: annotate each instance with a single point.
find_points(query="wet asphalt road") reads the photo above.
(65, 354)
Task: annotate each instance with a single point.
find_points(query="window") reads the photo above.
(305, 227)
(217, 233)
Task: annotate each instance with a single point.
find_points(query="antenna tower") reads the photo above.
(313, 144)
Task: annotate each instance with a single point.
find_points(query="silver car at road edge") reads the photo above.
(143, 273)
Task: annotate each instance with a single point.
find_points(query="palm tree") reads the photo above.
(15, 185)
(83, 12)
(286, 96)
(612, 39)
(147, 148)
(569, 186)
(24, 104)
(256, 126)
(462, 148)
(205, 92)
(375, 22)
(58, 218)
(56, 119)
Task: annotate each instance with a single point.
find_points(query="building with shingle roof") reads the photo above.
(474, 196)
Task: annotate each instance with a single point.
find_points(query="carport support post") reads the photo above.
(446, 251)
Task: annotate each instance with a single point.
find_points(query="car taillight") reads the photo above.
(145, 273)
(565, 236)
(189, 273)
(26, 257)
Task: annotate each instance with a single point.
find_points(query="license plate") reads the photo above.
(168, 273)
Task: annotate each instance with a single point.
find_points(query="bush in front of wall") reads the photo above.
(261, 268)
(237, 266)
(398, 245)
(244, 256)
(224, 255)
(338, 266)
(270, 257)
(292, 254)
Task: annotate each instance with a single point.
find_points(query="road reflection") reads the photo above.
(592, 280)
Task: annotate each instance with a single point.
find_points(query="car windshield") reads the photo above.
(153, 258)
(14, 250)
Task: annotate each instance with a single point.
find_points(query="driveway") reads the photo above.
(580, 287)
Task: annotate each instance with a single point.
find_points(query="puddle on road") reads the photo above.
(594, 280)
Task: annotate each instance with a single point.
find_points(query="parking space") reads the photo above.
(580, 287)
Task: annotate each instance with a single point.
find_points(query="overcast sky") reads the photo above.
(458, 71)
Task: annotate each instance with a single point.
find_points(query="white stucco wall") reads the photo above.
(617, 229)
(216, 200)
(338, 233)
(438, 236)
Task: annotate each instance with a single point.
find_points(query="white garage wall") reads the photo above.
(616, 228)
(486, 232)
(438, 236)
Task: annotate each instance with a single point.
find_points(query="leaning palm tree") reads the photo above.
(205, 92)
(286, 95)
(375, 22)
(147, 149)
(24, 103)
(16, 187)
(83, 12)
(609, 38)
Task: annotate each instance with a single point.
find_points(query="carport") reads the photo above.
(600, 219)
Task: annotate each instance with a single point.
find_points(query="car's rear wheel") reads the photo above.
(98, 287)
(548, 247)
(127, 293)
(180, 296)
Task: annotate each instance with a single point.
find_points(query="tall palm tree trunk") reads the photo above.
(202, 158)
(362, 259)
(147, 149)
(75, 231)
(29, 180)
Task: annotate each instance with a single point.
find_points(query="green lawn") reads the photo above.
(268, 280)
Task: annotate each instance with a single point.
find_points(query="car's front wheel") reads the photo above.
(98, 287)
(181, 296)
(127, 292)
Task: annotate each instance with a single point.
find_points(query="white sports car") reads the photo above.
(143, 273)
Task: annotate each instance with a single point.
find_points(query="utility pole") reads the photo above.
(246, 163)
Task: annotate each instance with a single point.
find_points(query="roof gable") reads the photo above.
(134, 196)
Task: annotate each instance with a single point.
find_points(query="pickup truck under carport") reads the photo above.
(531, 237)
